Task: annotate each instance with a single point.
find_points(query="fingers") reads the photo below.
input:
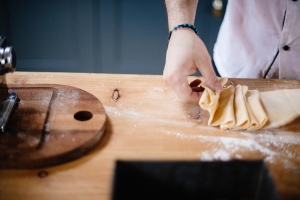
(186, 55)
(187, 93)
(197, 89)
(194, 85)
(190, 93)
(213, 82)
(209, 75)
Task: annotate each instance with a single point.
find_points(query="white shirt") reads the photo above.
(259, 39)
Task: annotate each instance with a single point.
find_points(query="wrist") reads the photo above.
(183, 26)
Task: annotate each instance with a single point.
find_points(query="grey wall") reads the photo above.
(102, 36)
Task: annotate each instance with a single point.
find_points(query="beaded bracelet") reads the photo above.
(183, 25)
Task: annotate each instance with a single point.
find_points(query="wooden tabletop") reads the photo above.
(148, 122)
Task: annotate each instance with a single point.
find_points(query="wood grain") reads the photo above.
(51, 124)
(149, 122)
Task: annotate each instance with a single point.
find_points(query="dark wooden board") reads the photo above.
(50, 125)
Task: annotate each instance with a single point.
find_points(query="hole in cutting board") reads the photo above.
(83, 115)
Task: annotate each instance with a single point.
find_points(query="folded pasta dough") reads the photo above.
(221, 112)
(224, 114)
(240, 108)
(234, 108)
(258, 116)
(210, 100)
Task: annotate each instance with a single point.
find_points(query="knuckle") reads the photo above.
(168, 78)
(185, 99)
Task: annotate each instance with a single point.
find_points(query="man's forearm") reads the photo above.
(181, 11)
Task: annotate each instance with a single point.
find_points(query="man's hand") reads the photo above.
(186, 55)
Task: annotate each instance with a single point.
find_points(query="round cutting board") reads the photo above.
(50, 125)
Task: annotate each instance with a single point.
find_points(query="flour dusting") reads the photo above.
(271, 146)
(130, 112)
(230, 148)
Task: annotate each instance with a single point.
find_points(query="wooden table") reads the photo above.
(149, 122)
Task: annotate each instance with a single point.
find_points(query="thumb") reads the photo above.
(210, 77)
(213, 83)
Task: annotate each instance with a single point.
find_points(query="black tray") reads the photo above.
(192, 180)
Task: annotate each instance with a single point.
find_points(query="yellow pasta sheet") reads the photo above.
(237, 108)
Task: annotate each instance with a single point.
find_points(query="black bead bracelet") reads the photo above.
(183, 25)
